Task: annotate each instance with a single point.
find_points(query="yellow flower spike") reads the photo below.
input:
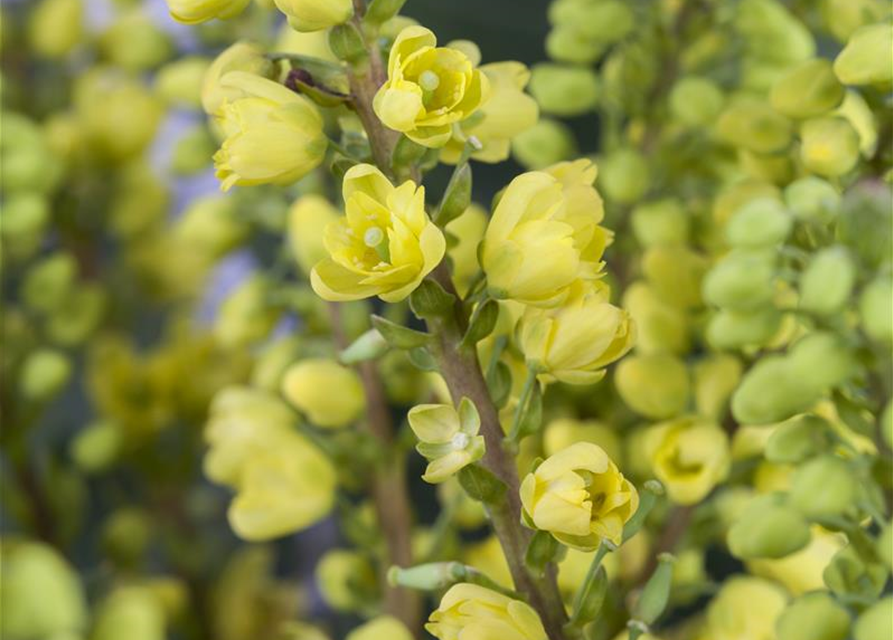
(384, 246)
(506, 113)
(315, 15)
(241, 56)
(544, 235)
(580, 497)
(690, 457)
(447, 438)
(308, 385)
(429, 88)
(194, 11)
(573, 343)
(273, 135)
(473, 612)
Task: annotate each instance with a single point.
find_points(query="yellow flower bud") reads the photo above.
(563, 432)
(447, 438)
(384, 246)
(132, 612)
(808, 90)
(815, 616)
(876, 622)
(342, 576)
(660, 327)
(471, 611)
(308, 386)
(315, 15)
(273, 135)
(696, 101)
(625, 175)
(580, 497)
(564, 90)
(875, 303)
(662, 222)
(429, 88)
(96, 447)
(801, 571)
(307, 220)
(689, 457)
(241, 56)
(381, 628)
(768, 528)
(754, 126)
(133, 42)
(865, 58)
(44, 374)
(573, 343)
(41, 593)
(55, 27)
(843, 17)
(830, 146)
(246, 316)
(211, 225)
(314, 43)
(468, 231)
(745, 608)
(675, 273)
(180, 82)
(193, 11)
(544, 144)
(544, 235)
(715, 378)
(655, 386)
(507, 113)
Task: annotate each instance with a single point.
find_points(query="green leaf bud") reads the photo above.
(812, 198)
(180, 82)
(866, 223)
(822, 360)
(814, 616)
(193, 152)
(656, 593)
(885, 545)
(741, 281)
(369, 346)
(843, 17)
(771, 392)
(133, 42)
(824, 487)
(48, 282)
(675, 274)
(849, 574)
(564, 90)
(810, 89)
(56, 27)
(346, 580)
(25, 216)
(544, 144)
(661, 327)
(799, 439)
(736, 329)
(606, 21)
(754, 126)
(247, 315)
(876, 622)
(768, 528)
(430, 300)
(829, 146)
(483, 321)
(96, 447)
(542, 549)
(132, 612)
(696, 102)
(44, 374)
(126, 534)
(662, 222)
(826, 283)
(481, 484)
(398, 336)
(763, 222)
(380, 11)
(885, 424)
(866, 57)
(28, 163)
(457, 196)
(875, 305)
(716, 377)
(569, 44)
(655, 386)
(624, 175)
(346, 43)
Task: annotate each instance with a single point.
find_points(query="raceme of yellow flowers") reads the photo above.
(643, 393)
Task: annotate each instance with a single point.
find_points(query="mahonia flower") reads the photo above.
(384, 246)
(544, 235)
(472, 612)
(308, 385)
(315, 15)
(448, 438)
(241, 56)
(283, 482)
(429, 88)
(689, 457)
(572, 343)
(273, 135)
(506, 113)
(193, 11)
(580, 497)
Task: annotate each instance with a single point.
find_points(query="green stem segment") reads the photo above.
(588, 581)
(523, 401)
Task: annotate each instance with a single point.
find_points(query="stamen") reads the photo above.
(459, 441)
(373, 237)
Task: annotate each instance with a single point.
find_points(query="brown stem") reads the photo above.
(674, 530)
(389, 492)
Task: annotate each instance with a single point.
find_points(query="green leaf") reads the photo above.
(499, 384)
(407, 152)
(380, 11)
(369, 346)
(346, 42)
(430, 300)
(457, 196)
(483, 321)
(591, 601)
(542, 549)
(481, 484)
(533, 414)
(398, 336)
(422, 359)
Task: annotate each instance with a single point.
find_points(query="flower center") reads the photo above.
(429, 81)
(373, 237)
(460, 441)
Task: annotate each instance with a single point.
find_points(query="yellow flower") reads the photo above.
(429, 88)
(381, 628)
(471, 612)
(315, 15)
(241, 56)
(307, 220)
(573, 343)
(544, 235)
(193, 11)
(448, 438)
(384, 246)
(580, 497)
(273, 135)
(745, 609)
(689, 457)
(506, 113)
(309, 386)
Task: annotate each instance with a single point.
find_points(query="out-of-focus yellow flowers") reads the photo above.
(342, 576)
(655, 386)
(381, 628)
(429, 88)
(331, 395)
(284, 483)
(241, 56)
(745, 609)
(865, 58)
(580, 497)
(315, 15)
(572, 343)
(132, 611)
(475, 613)
(384, 246)
(273, 135)
(544, 235)
(307, 220)
(56, 27)
(689, 457)
(193, 11)
(447, 438)
(468, 231)
(245, 316)
(506, 113)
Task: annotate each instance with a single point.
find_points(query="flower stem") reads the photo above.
(523, 401)
(584, 589)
